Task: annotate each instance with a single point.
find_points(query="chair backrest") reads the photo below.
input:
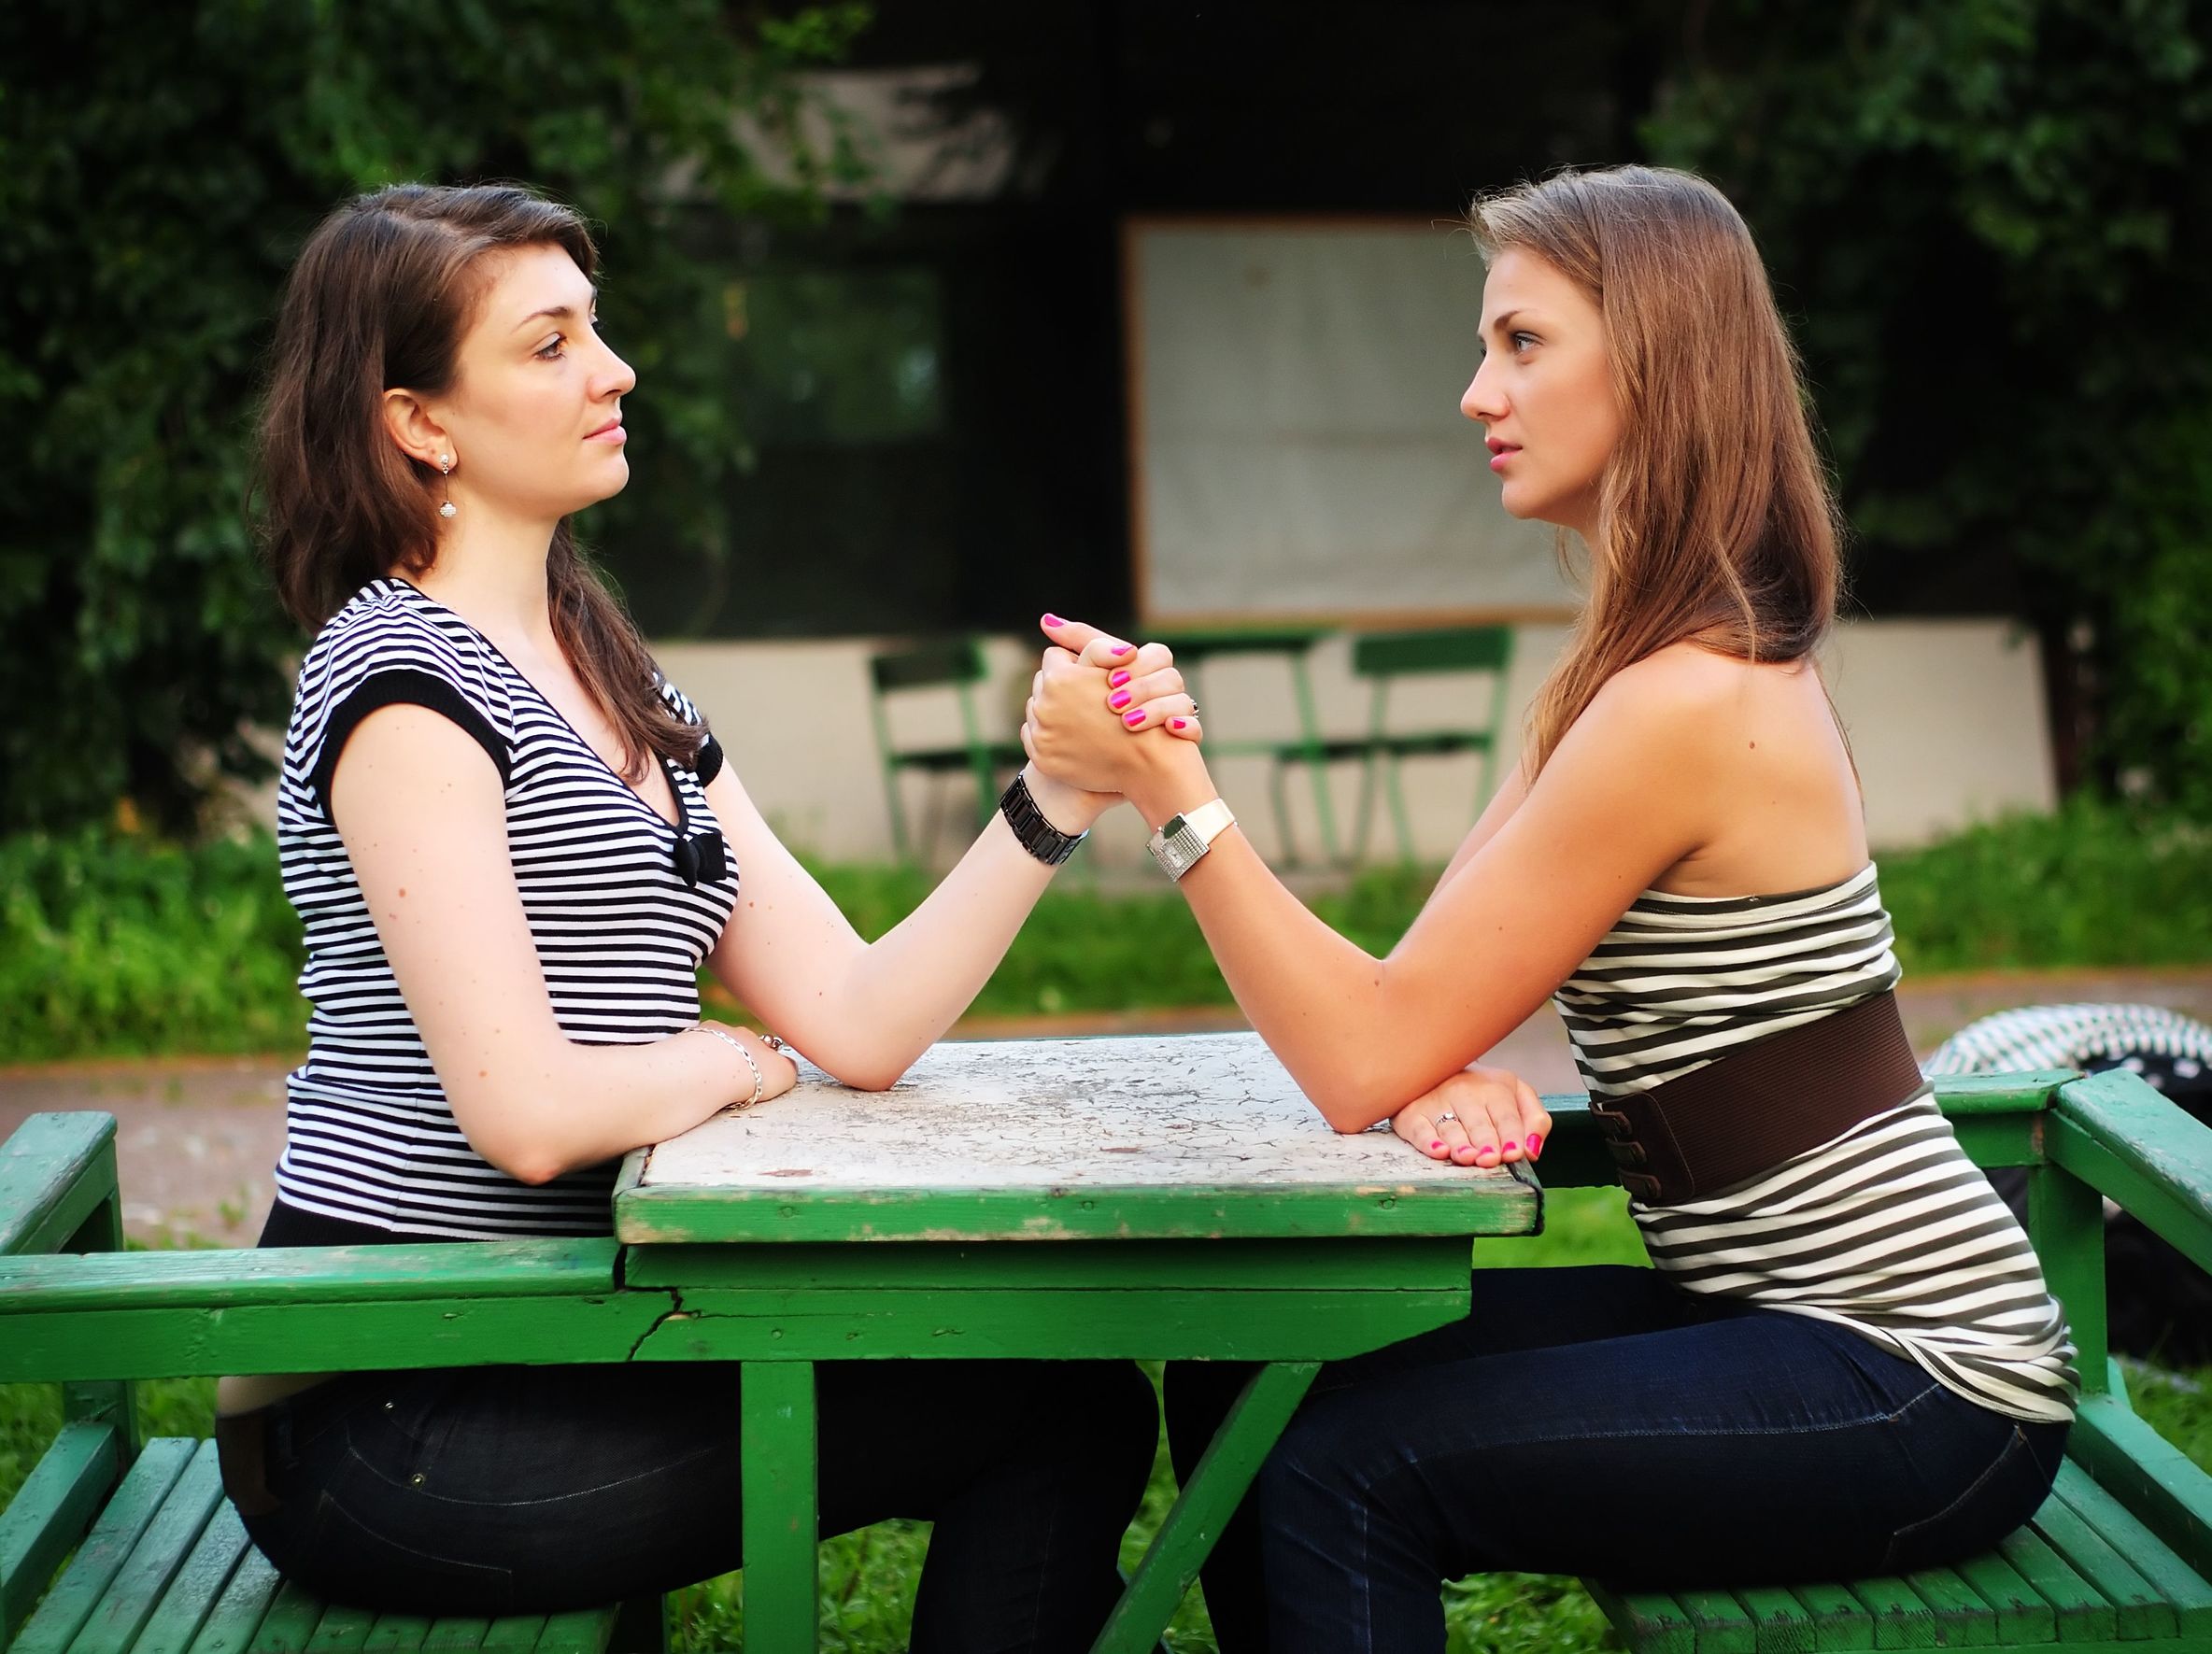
(1465, 648)
(951, 660)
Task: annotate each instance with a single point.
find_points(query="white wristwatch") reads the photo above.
(1183, 839)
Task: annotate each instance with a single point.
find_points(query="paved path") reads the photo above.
(198, 1137)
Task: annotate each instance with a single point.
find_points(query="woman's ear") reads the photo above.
(413, 430)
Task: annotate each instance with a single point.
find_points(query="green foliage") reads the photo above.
(1991, 221)
(114, 945)
(2094, 884)
(159, 167)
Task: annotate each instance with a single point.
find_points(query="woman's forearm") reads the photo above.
(567, 1106)
(900, 993)
(1321, 1002)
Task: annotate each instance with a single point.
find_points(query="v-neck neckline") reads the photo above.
(678, 827)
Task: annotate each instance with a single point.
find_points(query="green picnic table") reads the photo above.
(1153, 1198)
(1076, 1199)
(1095, 1198)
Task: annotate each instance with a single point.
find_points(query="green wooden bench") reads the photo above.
(2121, 1555)
(160, 1562)
(2118, 1557)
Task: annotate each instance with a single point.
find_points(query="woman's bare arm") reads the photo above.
(864, 1011)
(420, 810)
(1624, 798)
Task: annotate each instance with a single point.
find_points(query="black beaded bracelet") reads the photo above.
(1037, 835)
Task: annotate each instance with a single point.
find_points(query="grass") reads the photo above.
(868, 1577)
(117, 946)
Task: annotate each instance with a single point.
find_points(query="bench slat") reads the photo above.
(1962, 1618)
(301, 1275)
(106, 1548)
(2021, 1615)
(456, 1634)
(292, 1616)
(341, 1630)
(1721, 1625)
(50, 1513)
(137, 1588)
(2083, 1615)
(2172, 1578)
(1652, 1621)
(516, 1633)
(2147, 1474)
(1778, 1621)
(1901, 1619)
(2139, 1610)
(199, 1584)
(586, 1631)
(238, 1612)
(1840, 1620)
(397, 1633)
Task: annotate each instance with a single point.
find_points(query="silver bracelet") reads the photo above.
(737, 1045)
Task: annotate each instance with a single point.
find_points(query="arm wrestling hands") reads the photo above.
(1087, 684)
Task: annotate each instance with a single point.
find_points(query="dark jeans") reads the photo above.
(1597, 1421)
(484, 1491)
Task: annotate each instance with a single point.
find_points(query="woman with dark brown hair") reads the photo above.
(1846, 1360)
(513, 843)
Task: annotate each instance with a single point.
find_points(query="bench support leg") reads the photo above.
(1230, 1462)
(641, 1627)
(2067, 1223)
(105, 1401)
(776, 1467)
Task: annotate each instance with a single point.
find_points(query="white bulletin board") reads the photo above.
(1296, 448)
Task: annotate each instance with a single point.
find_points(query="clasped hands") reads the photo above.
(1092, 693)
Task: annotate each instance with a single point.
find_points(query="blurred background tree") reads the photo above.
(1991, 221)
(159, 167)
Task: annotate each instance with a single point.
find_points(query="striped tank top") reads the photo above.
(370, 1139)
(1888, 1230)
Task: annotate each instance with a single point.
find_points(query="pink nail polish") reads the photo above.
(1437, 1144)
(1053, 620)
(1133, 719)
(1536, 1146)
(1118, 701)
(1118, 679)
(1509, 1148)
(1174, 723)
(1119, 649)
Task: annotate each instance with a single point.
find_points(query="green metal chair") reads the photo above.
(1292, 644)
(1383, 658)
(956, 665)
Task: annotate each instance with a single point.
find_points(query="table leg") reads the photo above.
(1230, 1462)
(776, 1465)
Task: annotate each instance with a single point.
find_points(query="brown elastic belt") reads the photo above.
(1749, 1112)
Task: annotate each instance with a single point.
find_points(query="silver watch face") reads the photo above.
(1175, 847)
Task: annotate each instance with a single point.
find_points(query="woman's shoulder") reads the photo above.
(389, 623)
(1692, 696)
(389, 629)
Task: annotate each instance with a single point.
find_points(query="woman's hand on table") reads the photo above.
(1096, 702)
(1478, 1117)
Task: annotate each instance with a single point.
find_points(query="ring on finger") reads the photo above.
(1447, 1114)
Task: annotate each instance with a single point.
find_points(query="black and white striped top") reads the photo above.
(1889, 1229)
(369, 1136)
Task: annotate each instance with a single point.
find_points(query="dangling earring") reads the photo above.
(446, 471)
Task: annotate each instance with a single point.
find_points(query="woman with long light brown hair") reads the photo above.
(1846, 1360)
